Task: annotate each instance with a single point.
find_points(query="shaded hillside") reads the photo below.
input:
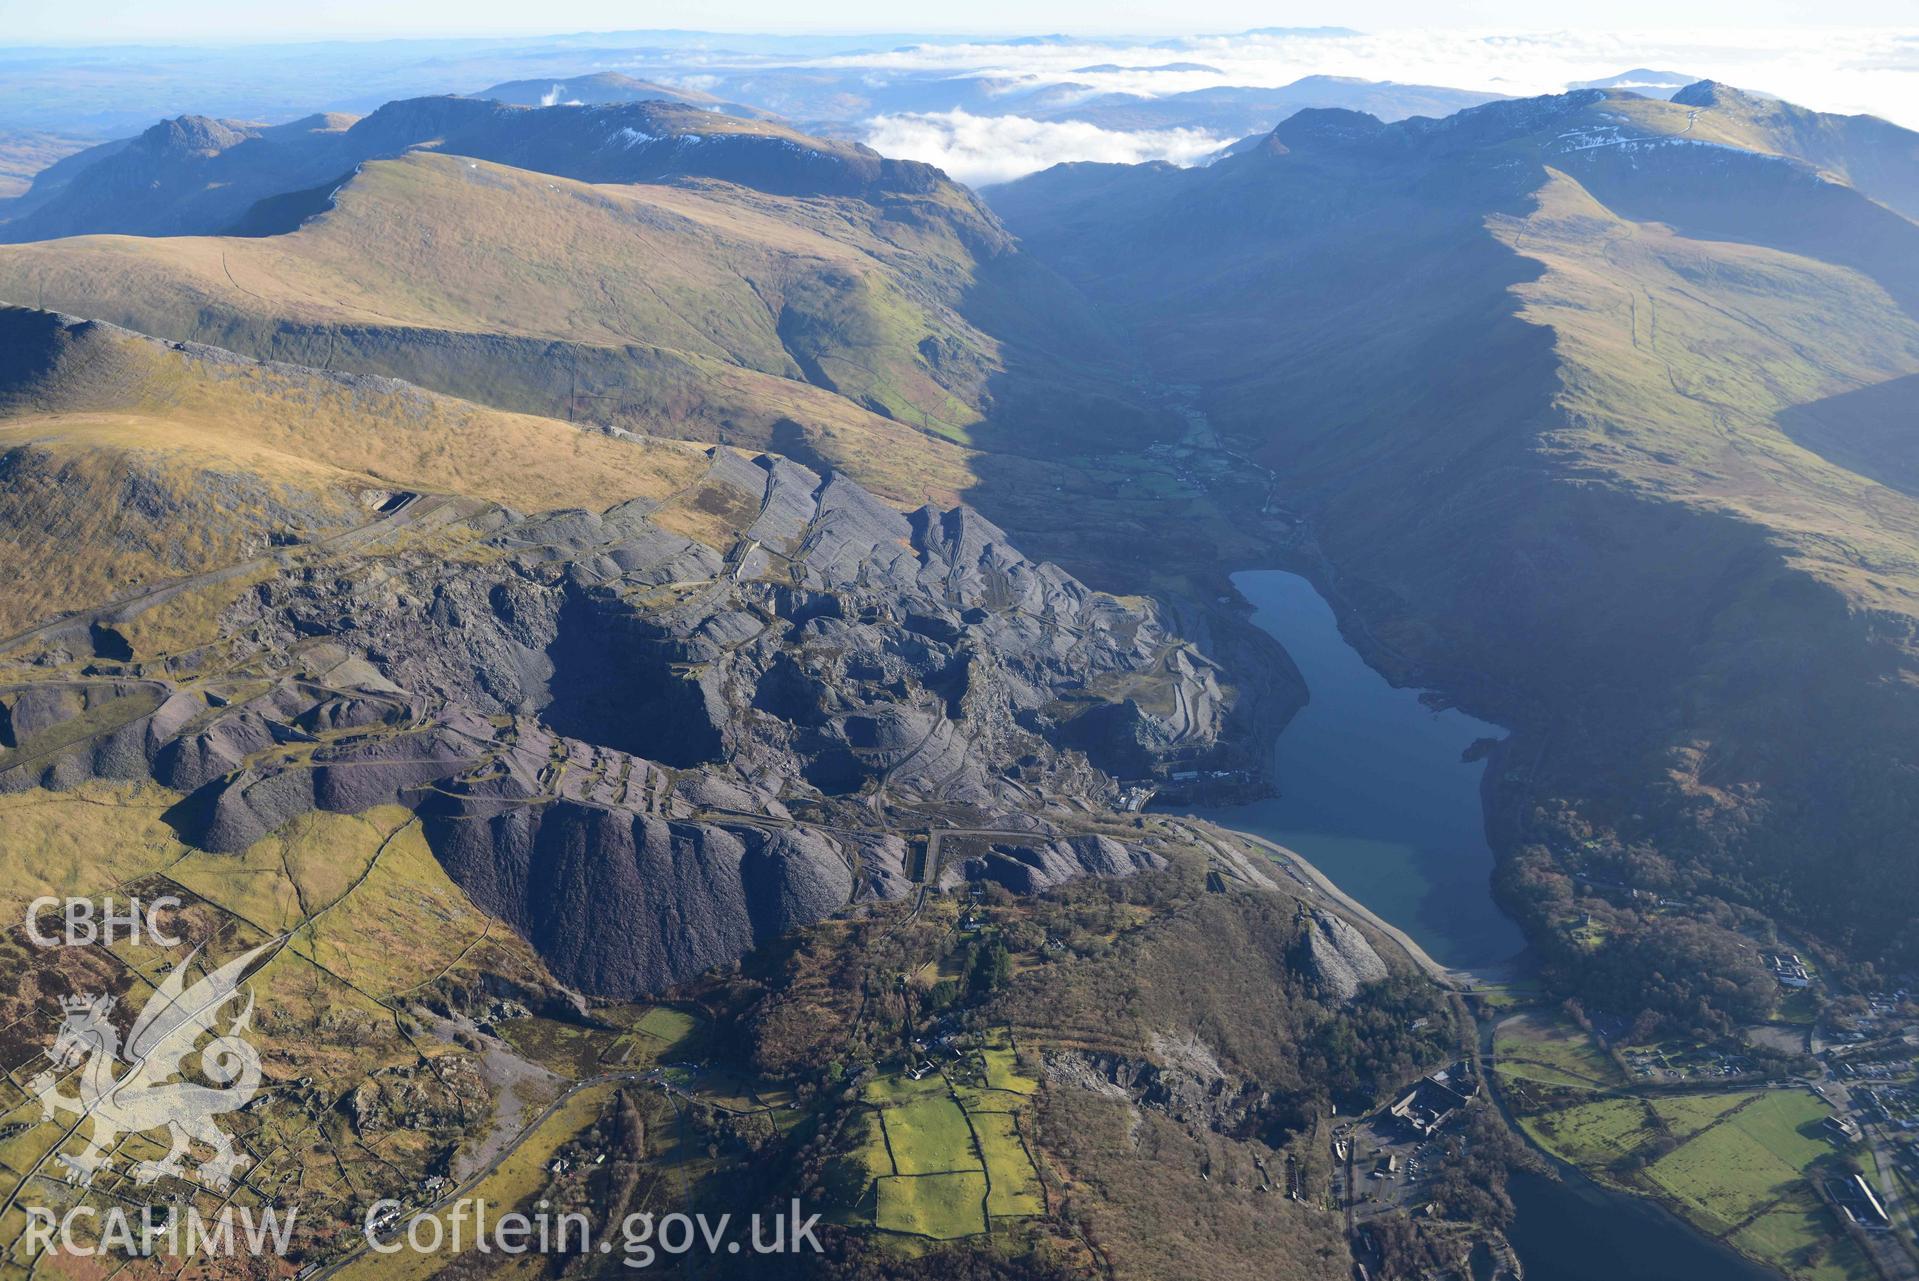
(178, 175)
(1873, 431)
(1530, 394)
(690, 297)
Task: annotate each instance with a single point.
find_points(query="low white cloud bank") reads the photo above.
(1849, 69)
(980, 150)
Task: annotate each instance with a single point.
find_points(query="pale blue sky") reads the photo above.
(31, 21)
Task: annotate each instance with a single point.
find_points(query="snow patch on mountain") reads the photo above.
(631, 137)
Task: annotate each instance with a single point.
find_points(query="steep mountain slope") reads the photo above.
(732, 284)
(1544, 375)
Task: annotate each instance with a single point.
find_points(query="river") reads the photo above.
(1376, 795)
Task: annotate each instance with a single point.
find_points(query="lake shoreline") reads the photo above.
(1303, 869)
(1380, 790)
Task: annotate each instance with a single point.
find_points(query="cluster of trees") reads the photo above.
(1698, 977)
(836, 995)
(1396, 1248)
(1476, 1158)
(1397, 1028)
(833, 996)
(1695, 973)
(985, 966)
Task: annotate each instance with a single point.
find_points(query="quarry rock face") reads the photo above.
(1028, 866)
(600, 720)
(1183, 1079)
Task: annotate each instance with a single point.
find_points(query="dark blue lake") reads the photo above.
(1373, 790)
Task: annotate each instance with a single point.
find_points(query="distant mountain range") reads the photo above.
(1641, 80)
(127, 87)
(606, 87)
(835, 99)
(1237, 112)
(195, 175)
(200, 175)
(829, 283)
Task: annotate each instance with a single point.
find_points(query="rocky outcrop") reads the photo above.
(647, 753)
(1183, 1079)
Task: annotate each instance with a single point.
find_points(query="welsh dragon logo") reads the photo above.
(143, 1097)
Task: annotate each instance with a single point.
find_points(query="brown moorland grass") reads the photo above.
(781, 293)
(112, 389)
(1680, 354)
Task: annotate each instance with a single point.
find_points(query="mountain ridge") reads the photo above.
(198, 176)
(896, 309)
(607, 86)
(1602, 312)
